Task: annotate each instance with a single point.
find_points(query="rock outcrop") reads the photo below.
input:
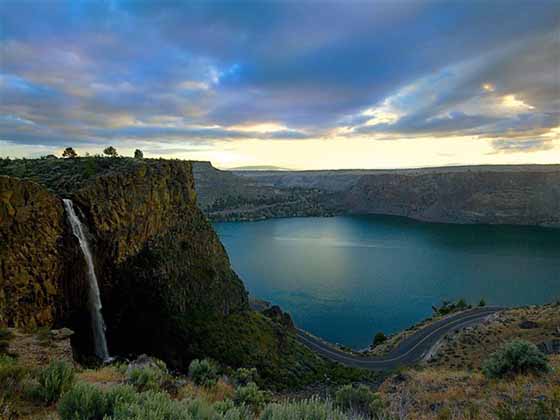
(36, 252)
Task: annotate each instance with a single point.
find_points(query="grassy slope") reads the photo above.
(451, 385)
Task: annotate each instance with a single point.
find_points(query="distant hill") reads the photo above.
(259, 168)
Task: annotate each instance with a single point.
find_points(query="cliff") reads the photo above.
(158, 258)
(494, 194)
(526, 197)
(225, 195)
(36, 252)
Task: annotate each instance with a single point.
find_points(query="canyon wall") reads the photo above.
(494, 194)
(488, 197)
(36, 253)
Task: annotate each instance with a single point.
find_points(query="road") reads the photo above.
(409, 351)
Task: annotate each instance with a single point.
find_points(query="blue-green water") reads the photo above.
(344, 278)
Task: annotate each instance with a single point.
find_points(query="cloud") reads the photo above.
(89, 72)
(521, 145)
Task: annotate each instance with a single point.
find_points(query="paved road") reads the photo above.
(409, 351)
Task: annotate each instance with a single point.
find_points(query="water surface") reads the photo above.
(345, 278)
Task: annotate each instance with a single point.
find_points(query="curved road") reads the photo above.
(409, 351)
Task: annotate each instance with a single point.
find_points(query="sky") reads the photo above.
(307, 84)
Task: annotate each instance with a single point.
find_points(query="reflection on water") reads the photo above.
(344, 278)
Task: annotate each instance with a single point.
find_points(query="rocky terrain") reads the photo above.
(508, 194)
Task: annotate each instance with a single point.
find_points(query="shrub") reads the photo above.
(244, 376)
(54, 380)
(199, 408)
(358, 399)
(517, 356)
(203, 372)
(11, 377)
(83, 402)
(303, 410)
(151, 405)
(224, 406)
(120, 395)
(146, 378)
(448, 307)
(250, 395)
(238, 413)
(379, 338)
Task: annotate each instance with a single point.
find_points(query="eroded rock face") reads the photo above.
(31, 254)
(157, 258)
(520, 198)
(488, 194)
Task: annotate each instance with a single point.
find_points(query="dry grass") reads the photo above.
(38, 349)
(470, 347)
(104, 377)
(440, 393)
(218, 392)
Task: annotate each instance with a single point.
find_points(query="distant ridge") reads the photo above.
(259, 168)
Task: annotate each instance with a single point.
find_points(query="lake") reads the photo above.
(345, 278)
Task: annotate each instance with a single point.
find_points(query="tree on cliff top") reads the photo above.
(69, 153)
(138, 154)
(110, 151)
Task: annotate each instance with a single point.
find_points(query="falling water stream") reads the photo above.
(94, 301)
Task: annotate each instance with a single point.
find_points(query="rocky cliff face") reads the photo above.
(518, 198)
(36, 251)
(495, 194)
(157, 257)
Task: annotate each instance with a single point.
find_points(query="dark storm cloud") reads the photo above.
(115, 69)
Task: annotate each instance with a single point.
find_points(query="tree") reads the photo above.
(379, 338)
(138, 154)
(110, 151)
(69, 153)
(482, 302)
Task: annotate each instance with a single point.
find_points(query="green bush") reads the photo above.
(53, 381)
(83, 402)
(120, 395)
(517, 356)
(244, 376)
(448, 307)
(200, 409)
(251, 396)
(379, 338)
(146, 378)
(224, 406)
(303, 410)
(358, 399)
(11, 377)
(203, 372)
(151, 405)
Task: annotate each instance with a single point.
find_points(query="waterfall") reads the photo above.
(94, 301)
